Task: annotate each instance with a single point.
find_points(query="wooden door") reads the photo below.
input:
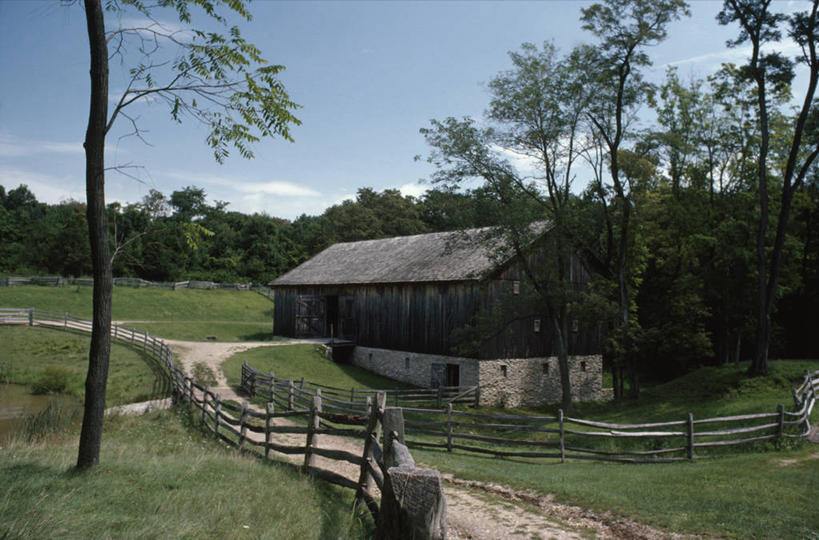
(310, 316)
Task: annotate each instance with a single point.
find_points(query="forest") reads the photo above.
(693, 202)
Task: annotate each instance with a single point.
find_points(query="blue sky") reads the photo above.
(369, 75)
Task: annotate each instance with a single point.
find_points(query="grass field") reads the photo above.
(186, 314)
(308, 361)
(29, 352)
(160, 477)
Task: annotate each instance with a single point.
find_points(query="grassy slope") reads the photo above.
(308, 361)
(27, 352)
(160, 479)
(188, 314)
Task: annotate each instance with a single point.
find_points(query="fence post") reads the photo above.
(65, 320)
(271, 387)
(268, 420)
(780, 427)
(301, 384)
(253, 384)
(449, 427)
(243, 425)
(477, 395)
(204, 406)
(562, 436)
(365, 479)
(690, 445)
(31, 316)
(291, 389)
(393, 423)
(438, 396)
(132, 336)
(216, 412)
(312, 426)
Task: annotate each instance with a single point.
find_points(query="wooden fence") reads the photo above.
(560, 437)
(232, 423)
(296, 394)
(137, 283)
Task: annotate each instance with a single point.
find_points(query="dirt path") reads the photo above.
(475, 511)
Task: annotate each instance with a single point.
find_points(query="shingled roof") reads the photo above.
(446, 256)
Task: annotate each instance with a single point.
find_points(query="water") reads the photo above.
(16, 403)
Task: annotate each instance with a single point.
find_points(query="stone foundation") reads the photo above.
(513, 382)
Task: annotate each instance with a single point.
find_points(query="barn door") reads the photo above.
(310, 316)
(346, 318)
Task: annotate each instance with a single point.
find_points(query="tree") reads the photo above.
(771, 72)
(535, 113)
(218, 79)
(625, 28)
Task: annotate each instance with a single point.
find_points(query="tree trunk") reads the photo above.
(97, 377)
(562, 335)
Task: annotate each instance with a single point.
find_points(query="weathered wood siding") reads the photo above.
(420, 317)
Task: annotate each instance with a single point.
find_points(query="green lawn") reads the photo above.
(160, 477)
(768, 495)
(186, 314)
(308, 361)
(28, 352)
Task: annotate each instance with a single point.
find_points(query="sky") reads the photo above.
(368, 75)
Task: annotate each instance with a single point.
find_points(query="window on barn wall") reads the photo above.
(583, 365)
(537, 326)
(503, 371)
(516, 287)
(406, 362)
(546, 368)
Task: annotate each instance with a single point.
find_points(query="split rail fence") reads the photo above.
(296, 394)
(560, 436)
(234, 423)
(137, 283)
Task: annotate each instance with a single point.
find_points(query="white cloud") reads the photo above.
(47, 188)
(11, 146)
(735, 55)
(277, 188)
(413, 189)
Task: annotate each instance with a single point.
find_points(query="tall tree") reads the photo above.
(625, 29)
(771, 72)
(240, 99)
(535, 112)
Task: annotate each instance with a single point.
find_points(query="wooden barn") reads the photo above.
(398, 301)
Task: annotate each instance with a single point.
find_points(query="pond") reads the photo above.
(16, 403)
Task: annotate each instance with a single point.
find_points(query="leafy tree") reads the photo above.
(625, 28)
(218, 79)
(771, 72)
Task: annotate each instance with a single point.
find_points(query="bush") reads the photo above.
(53, 380)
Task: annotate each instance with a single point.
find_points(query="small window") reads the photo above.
(546, 368)
(537, 326)
(503, 371)
(516, 287)
(583, 365)
(406, 362)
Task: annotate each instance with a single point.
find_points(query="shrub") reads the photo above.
(53, 380)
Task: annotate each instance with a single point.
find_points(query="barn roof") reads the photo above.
(445, 256)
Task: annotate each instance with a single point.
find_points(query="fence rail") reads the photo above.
(137, 283)
(296, 393)
(232, 422)
(440, 426)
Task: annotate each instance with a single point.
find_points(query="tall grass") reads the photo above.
(160, 477)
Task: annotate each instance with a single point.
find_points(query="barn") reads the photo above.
(400, 303)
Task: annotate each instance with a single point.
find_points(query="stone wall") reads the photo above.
(412, 368)
(529, 382)
(514, 382)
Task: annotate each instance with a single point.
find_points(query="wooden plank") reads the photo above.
(733, 442)
(734, 431)
(338, 455)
